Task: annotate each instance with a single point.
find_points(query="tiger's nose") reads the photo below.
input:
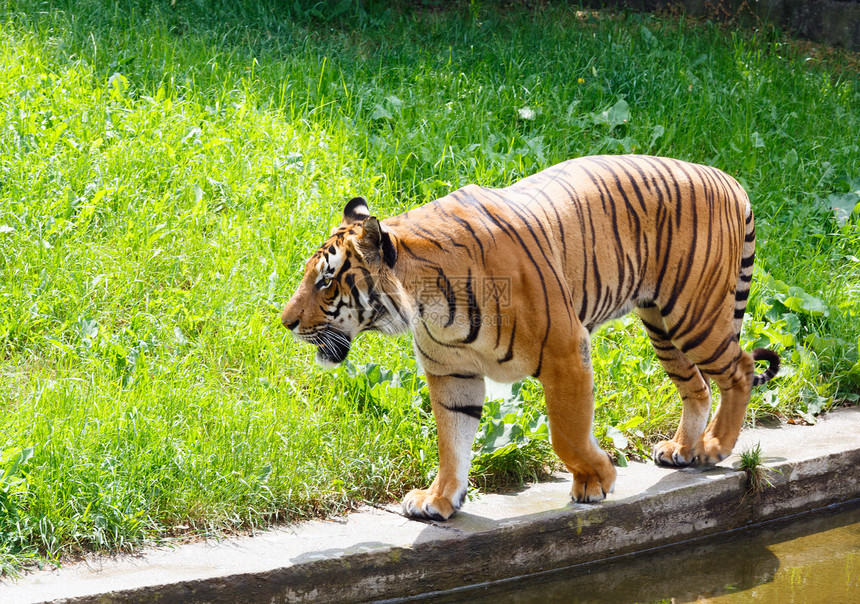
(289, 319)
(291, 315)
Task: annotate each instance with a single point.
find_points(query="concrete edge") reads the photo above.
(546, 542)
(503, 536)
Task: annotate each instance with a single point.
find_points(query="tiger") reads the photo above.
(506, 283)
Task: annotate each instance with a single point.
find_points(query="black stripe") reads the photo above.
(607, 201)
(696, 341)
(444, 286)
(473, 411)
(661, 347)
(634, 222)
(748, 261)
(456, 243)
(682, 276)
(409, 251)
(428, 236)
(435, 341)
(663, 221)
(465, 224)
(424, 354)
(547, 261)
(512, 233)
(722, 369)
(510, 354)
(658, 331)
(474, 312)
(559, 222)
(681, 378)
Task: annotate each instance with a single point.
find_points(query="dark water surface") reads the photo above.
(809, 560)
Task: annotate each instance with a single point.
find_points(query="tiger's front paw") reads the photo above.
(673, 454)
(593, 486)
(713, 451)
(423, 504)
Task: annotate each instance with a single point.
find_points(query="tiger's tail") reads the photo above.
(742, 293)
(763, 354)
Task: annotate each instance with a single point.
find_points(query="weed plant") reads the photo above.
(166, 167)
(751, 462)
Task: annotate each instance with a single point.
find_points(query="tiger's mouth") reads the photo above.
(332, 346)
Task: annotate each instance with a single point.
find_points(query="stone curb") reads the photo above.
(377, 554)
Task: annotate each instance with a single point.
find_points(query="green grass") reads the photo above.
(164, 171)
(752, 464)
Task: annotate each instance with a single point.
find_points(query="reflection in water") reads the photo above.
(813, 559)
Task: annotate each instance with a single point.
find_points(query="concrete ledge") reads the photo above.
(376, 553)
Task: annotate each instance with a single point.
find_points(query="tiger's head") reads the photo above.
(348, 287)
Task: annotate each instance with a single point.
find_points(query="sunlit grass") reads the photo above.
(164, 171)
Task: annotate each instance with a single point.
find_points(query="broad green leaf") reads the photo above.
(792, 323)
(776, 311)
(648, 36)
(828, 349)
(614, 116)
(757, 141)
(496, 391)
(499, 435)
(657, 132)
(619, 441)
(799, 301)
(631, 423)
(18, 460)
(843, 206)
(88, 328)
(771, 283)
(381, 113)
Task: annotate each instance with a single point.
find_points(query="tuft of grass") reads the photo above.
(752, 464)
(165, 169)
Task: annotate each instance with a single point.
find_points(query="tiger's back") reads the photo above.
(586, 240)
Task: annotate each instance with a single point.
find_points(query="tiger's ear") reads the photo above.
(355, 211)
(375, 243)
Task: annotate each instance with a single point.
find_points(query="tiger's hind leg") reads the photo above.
(721, 358)
(694, 389)
(715, 351)
(733, 373)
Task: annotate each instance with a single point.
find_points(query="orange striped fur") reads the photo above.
(508, 283)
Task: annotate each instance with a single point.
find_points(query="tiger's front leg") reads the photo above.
(568, 385)
(457, 404)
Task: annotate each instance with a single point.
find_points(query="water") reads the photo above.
(813, 559)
